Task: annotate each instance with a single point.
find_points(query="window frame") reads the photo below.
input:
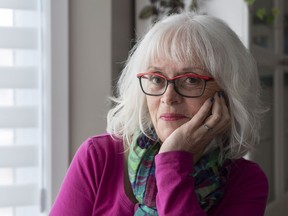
(56, 158)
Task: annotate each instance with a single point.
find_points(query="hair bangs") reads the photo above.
(174, 45)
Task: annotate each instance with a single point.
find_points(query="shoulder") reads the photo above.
(247, 169)
(246, 191)
(247, 176)
(102, 142)
(100, 147)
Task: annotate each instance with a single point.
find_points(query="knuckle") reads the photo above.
(216, 117)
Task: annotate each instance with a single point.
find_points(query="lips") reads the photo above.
(172, 117)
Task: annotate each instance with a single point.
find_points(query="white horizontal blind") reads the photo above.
(20, 107)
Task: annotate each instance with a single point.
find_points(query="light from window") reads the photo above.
(6, 17)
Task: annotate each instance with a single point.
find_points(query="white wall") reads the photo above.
(235, 13)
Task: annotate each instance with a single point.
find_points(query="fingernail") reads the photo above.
(221, 94)
(212, 99)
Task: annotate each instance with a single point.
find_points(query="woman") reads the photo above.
(186, 113)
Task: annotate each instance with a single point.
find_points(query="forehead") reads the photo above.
(173, 59)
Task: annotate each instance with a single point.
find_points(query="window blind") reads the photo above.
(21, 108)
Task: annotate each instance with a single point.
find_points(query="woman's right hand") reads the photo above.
(194, 136)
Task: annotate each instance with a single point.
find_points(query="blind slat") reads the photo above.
(23, 156)
(21, 117)
(19, 4)
(18, 38)
(19, 195)
(18, 77)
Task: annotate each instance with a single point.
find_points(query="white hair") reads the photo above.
(188, 38)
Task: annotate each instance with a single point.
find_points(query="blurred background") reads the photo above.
(60, 59)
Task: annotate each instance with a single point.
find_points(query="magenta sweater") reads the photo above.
(94, 185)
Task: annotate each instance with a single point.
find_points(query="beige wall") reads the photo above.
(100, 32)
(90, 68)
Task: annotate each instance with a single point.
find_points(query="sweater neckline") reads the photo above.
(126, 200)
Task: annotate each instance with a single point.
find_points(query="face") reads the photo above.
(170, 110)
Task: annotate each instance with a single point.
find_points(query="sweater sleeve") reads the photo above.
(175, 185)
(78, 188)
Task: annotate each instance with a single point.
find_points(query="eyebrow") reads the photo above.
(154, 68)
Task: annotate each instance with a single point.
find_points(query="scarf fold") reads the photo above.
(209, 175)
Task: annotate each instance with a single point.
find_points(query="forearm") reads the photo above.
(175, 185)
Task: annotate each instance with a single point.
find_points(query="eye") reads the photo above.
(192, 81)
(157, 80)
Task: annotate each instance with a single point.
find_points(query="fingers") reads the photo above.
(203, 113)
(216, 123)
(219, 120)
(212, 116)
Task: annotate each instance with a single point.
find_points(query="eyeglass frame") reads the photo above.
(172, 80)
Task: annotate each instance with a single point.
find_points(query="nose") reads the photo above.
(171, 96)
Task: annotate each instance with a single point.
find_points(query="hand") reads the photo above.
(193, 136)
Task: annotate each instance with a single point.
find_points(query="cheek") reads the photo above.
(153, 105)
(211, 89)
(208, 93)
(193, 105)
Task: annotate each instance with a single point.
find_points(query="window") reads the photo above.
(28, 121)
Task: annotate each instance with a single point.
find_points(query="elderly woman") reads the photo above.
(186, 112)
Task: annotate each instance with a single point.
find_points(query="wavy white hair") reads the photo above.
(187, 38)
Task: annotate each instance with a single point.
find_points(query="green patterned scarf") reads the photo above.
(209, 176)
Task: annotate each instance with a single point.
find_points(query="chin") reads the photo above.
(165, 129)
(164, 133)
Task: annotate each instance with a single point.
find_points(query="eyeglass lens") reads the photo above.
(185, 85)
